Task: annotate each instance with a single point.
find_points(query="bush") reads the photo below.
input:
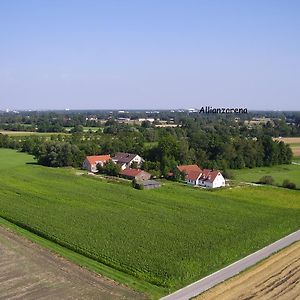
(289, 185)
(109, 168)
(266, 180)
(228, 174)
(137, 185)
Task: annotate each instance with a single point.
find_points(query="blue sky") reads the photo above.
(149, 54)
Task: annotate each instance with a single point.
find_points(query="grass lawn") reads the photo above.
(86, 129)
(296, 159)
(94, 129)
(279, 173)
(153, 240)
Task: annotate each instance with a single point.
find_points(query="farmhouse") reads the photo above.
(90, 163)
(137, 174)
(202, 177)
(125, 160)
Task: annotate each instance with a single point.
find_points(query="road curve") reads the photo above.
(208, 282)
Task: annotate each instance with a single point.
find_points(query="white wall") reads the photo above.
(219, 181)
(138, 160)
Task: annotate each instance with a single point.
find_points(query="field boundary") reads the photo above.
(202, 285)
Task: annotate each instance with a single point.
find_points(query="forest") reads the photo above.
(216, 142)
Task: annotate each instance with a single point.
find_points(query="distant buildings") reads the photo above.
(130, 164)
(123, 159)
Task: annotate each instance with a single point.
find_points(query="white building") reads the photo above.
(205, 178)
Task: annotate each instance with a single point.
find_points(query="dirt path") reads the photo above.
(28, 271)
(278, 278)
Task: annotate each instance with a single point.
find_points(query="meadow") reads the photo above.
(279, 173)
(29, 133)
(160, 239)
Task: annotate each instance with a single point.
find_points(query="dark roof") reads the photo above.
(122, 157)
(151, 182)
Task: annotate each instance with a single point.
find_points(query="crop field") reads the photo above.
(275, 278)
(294, 142)
(164, 238)
(279, 173)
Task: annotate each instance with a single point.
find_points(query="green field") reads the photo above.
(296, 159)
(279, 173)
(165, 238)
(27, 133)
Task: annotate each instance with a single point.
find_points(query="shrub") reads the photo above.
(266, 180)
(289, 185)
(228, 174)
(109, 168)
(137, 185)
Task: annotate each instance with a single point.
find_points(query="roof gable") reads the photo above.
(209, 175)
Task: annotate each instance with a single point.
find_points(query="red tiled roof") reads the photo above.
(209, 175)
(192, 171)
(94, 159)
(188, 168)
(131, 172)
(213, 175)
(193, 175)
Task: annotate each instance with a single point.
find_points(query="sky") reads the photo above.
(141, 54)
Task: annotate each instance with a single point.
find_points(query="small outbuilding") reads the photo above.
(151, 184)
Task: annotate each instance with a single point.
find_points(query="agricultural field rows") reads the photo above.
(167, 237)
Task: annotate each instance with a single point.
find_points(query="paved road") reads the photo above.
(208, 282)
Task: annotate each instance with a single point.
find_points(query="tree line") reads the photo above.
(211, 143)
